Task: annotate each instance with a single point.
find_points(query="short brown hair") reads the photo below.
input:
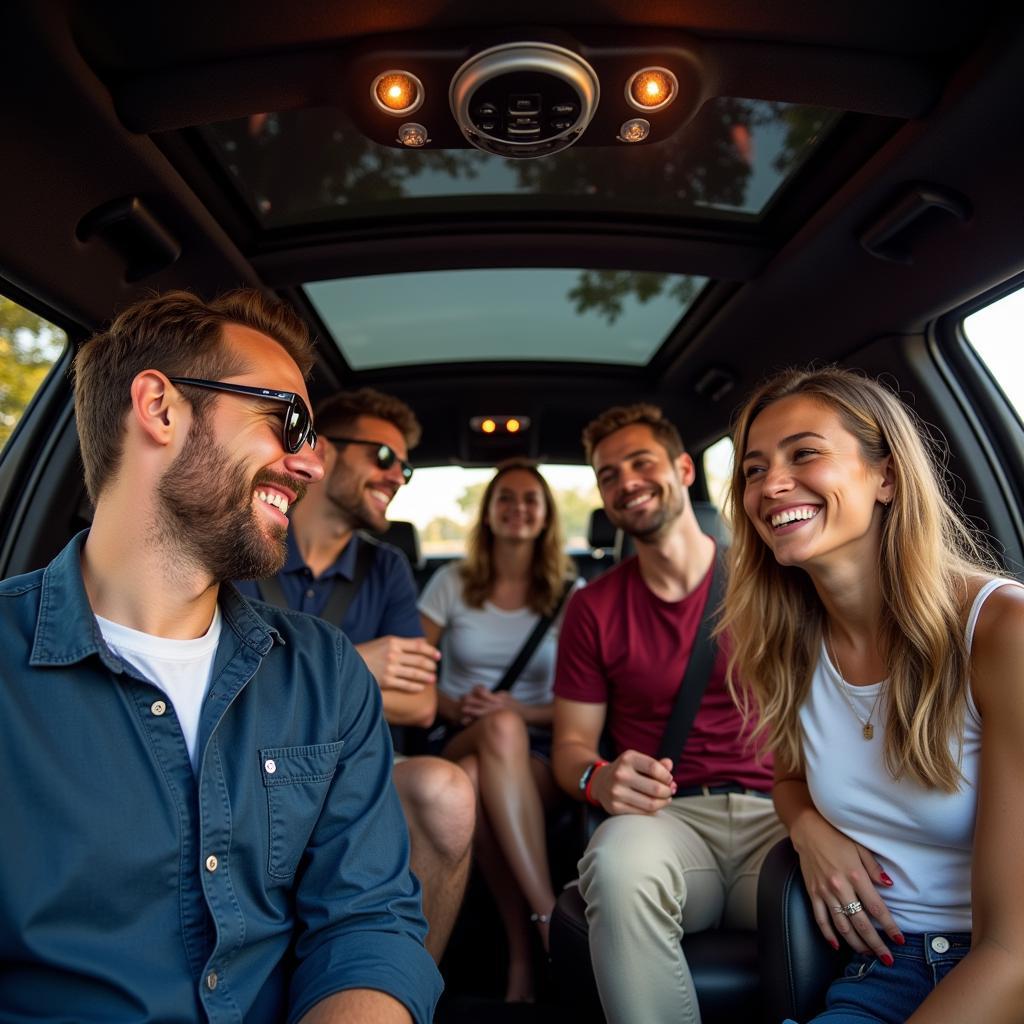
(620, 416)
(340, 411)
(179, 334)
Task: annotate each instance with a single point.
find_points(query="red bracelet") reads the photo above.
(598, 765)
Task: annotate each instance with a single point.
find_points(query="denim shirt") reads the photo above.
(133, 889)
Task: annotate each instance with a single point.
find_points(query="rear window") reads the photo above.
(29, 346)
(443, 502)
(997, 334)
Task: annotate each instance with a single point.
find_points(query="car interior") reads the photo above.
(512, 216)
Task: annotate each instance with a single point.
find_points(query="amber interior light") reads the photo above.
(488, 426)
(652, 88)
(512, 425)
(397, 91)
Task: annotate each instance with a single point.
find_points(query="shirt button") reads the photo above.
(940, 944)
(211, 980)
(270, 766)
(158, 707)
(311, 593)
(211, 863)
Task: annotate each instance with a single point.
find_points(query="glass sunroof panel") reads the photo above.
(304, 166)
(602, 316)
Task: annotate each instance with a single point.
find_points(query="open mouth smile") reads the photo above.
(797, 514)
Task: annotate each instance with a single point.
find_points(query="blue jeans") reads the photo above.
(871, 993)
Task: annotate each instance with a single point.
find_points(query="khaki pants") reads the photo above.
(649, 879)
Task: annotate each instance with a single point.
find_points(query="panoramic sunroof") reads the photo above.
(303, 166)
(601, 316)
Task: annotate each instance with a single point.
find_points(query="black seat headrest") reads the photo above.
(405, 537)
(600, 532)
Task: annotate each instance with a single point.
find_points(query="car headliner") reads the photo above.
(110, 94)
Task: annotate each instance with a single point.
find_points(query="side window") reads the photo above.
(717, 459)
(29, 346)
(996, 333)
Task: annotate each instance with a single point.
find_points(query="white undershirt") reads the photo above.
(181, 668)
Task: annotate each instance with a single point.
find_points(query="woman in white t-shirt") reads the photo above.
(887, 662)
(481, 611)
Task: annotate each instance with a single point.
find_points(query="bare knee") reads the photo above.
(504, 735)
(439, 803)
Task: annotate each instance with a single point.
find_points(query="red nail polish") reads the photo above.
(899, 940)
(886, 880)
(834, 944)
(887, 959)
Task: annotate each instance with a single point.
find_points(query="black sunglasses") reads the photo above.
(297, 425)
(386, 455)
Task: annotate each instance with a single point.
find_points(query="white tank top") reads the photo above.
(923, 838)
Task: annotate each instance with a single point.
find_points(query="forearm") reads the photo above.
(448, 708)
(568, 760)
(410, 708)
(794, 806)
(987, 985)
(358, 1006)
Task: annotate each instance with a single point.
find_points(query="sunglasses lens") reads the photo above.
(296, 427)
(386, 458)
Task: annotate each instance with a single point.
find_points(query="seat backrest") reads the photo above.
(405, 537)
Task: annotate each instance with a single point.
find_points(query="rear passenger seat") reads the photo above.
(601, 541)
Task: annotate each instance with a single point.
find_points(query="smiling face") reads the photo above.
(356, 485)
(517, 509)
(808, 490)
(643, 490)
(224, 497)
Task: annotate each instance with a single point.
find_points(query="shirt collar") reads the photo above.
(67, 631)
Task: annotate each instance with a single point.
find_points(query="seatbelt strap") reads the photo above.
(698, 669)
(342, 593)
(532, 642)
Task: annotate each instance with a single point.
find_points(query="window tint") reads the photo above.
(997, 334)
(717, 459)
(29, 346)
(443, 503)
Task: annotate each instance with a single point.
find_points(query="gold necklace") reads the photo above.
(867, 730)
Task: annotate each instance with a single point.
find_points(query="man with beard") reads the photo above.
(368, 436)
(686, 835)
(199, 820)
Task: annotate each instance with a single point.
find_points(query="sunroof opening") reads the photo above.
(597, 316)
(303, 166)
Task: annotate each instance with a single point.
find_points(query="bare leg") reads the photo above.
(439, 805)
(508, 899)
(508, 794)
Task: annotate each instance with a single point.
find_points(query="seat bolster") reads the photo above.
(797, 963)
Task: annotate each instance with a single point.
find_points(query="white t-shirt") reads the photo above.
(479, 644)
(923, 838)
(181, 668)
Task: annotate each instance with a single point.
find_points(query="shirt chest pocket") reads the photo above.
(296, 780)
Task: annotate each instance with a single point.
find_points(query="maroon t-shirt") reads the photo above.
(623, 646)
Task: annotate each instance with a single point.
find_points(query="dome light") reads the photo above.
(636, 129)
(397, 92)
(488, 426)
(413, 135)
(651, 89)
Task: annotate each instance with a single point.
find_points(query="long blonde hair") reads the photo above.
(550, 567)
(928, 558)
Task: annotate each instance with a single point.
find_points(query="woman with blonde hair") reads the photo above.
(510, 587)
(886, 660)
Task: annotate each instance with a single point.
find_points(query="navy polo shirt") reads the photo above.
(384, 604)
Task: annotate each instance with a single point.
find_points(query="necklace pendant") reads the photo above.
(868, 732)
